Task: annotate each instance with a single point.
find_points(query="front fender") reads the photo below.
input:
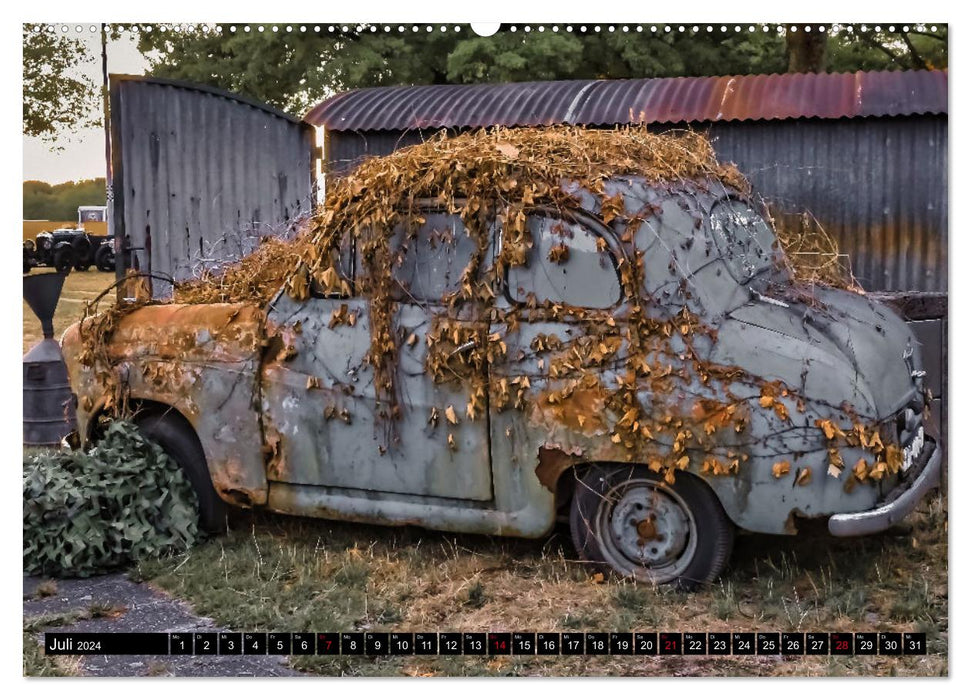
(200, 360)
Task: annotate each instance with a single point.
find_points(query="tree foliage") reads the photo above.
(295, 70)
(60, 202)
(58, 97)
(916, 49)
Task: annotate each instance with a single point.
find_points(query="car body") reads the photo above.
(64, 249)
(104, 255)
(721, 394)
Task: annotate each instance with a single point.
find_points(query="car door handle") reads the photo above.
(464, 347)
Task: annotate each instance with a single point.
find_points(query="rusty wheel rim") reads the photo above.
(646, 531)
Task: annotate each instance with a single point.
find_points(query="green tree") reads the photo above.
(60, 202)
(295, 70)
(916, 49)
(806, 50)
(38, 197)
(58, 97)
(508, 57)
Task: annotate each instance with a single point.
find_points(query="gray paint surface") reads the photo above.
(199, 176)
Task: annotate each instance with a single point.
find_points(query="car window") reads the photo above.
(743, 237)
(428, 262)
(347, 258)
(567, 264)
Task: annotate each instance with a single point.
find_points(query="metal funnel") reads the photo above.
(42, 292)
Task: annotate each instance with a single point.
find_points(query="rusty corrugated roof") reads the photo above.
(649, 100)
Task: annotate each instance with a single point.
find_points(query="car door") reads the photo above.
(325, 425)
(565, 348)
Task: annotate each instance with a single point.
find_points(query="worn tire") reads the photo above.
(64, 260)
(104, 259)
(174, 434)
(693, 535)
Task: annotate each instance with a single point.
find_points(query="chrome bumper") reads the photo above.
(901, 502)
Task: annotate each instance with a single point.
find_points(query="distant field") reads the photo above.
(78, 288)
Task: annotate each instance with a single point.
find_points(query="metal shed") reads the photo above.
(199, 175)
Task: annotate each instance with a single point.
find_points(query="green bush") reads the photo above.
(89, 512)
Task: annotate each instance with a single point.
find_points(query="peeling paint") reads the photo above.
(553, 461)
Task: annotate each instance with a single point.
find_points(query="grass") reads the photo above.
(277, 573)
(79, 287)
(36, 662)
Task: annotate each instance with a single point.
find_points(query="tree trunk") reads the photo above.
(806, 50)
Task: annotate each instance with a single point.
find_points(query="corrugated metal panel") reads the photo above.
(878, 185)
(344, 150)
(649, 100)
(199, 175)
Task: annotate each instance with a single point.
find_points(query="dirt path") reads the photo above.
(113, 603)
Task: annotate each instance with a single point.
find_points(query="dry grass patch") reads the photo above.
(79, 288)
(276, 573)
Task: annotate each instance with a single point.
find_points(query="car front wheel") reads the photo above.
(176, 437)
(64, 260)
(104, 259)
(628, 519)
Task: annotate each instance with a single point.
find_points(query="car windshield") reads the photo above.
(743, 237)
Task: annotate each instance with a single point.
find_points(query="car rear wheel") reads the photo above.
(173, 433)
(628, 519)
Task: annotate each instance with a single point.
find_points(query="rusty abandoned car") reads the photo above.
(486, 332)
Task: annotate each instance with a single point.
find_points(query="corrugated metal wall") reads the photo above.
(877, 184)
(199, 175)
(343, 150)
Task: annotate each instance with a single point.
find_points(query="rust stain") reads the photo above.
(275, 463)
(214, 332)
(233, 483)
(581, 410)
(553, 461)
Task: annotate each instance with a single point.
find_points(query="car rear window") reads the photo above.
(743, 238)
(428, 262)
(567, 264)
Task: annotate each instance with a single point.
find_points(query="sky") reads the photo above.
(83, 154)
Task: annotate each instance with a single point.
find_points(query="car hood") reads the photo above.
(182, 332)
(843, 349)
